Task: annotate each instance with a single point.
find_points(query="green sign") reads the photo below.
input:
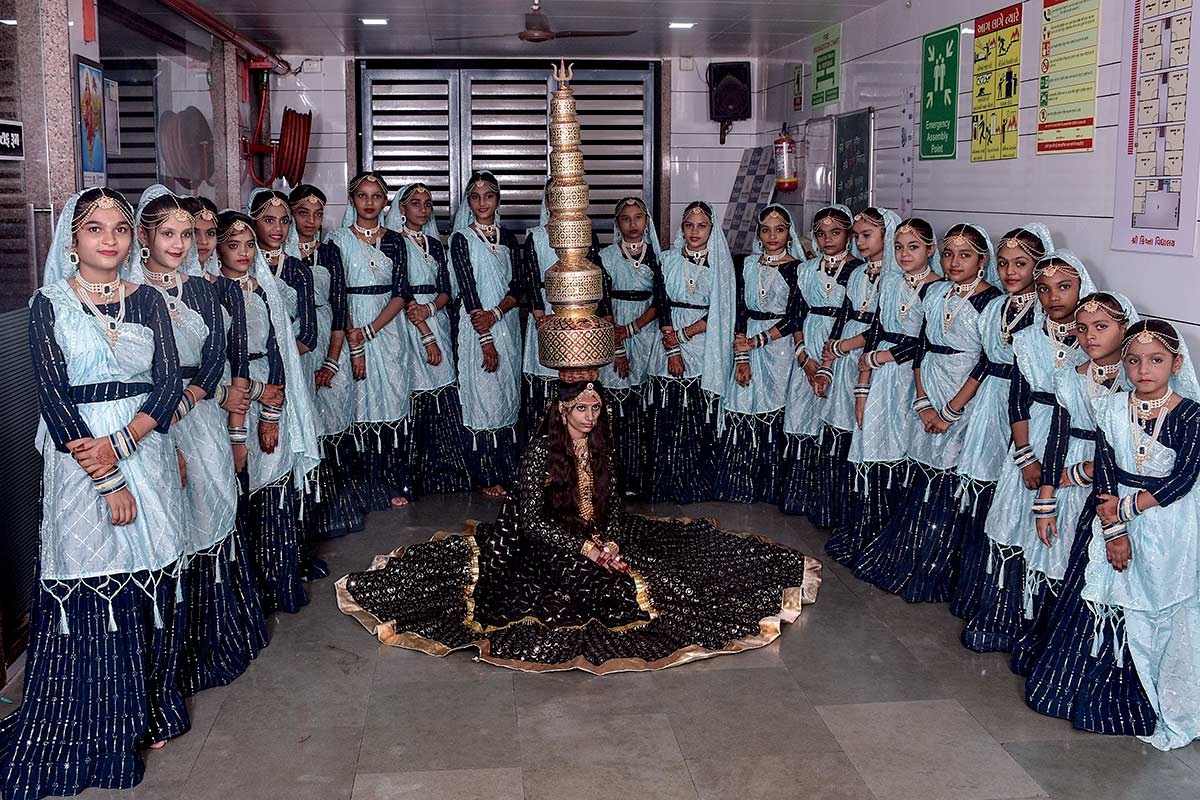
(827, 66)
(939, 94)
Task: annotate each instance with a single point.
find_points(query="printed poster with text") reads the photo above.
(1067, 76)
(995, 91)
(1158, 149)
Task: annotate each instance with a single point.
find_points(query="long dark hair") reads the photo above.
(562, 473)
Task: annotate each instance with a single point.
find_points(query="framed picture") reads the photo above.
(89, 120)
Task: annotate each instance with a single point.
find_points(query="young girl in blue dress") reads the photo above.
(1144, 554)
(1009, 602)
(767, 312)
(884, 392)
(486, 262)
(217, 643)
(380, 357)
(337, 505)
(686, 391)
(436, 460)
(100, 674)
(874, 236)
(822, 283)
(280, 433)
(1070, 669)
(917, 555)
(986, 445)
(631, 271)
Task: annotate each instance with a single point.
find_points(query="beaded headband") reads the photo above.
(962, 240)
(274, 202)
(104, 201)
(702, 207)
(775, 212)
(912, 231)
(588, 395)
(370, 176)
(411, 190)
(625, 202)
(235, 227)
(309, 199)
(1147, 336)
(862, 215)
(1050, 268)
(206, 214)
(178, 213)
(1020, 244)
(1092, 305)
(842, 224)
(483, 183)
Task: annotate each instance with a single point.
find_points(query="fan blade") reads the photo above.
(488, 36)
(580, 34)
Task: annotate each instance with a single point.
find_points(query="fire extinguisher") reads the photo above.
(786, 179)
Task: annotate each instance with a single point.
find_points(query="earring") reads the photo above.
(73, 258)
(144, 254)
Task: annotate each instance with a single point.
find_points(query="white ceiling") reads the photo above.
(333, 27)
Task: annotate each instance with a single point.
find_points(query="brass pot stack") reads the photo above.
(573, 339)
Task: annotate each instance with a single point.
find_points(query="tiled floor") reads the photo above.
(864, 698)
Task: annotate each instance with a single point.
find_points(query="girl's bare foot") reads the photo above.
(399, 502)
(494, 491)
(159, 745)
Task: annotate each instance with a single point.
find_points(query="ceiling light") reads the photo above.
(683, 26)
(8, 22)
(374, 20)
(969, 30)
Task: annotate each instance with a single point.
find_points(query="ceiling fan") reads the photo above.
(538, 30)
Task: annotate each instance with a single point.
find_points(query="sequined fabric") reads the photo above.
(999, 618)
(681, 441)
(974, 501)
(875, 499)
(630, 424)
(750, 458)
(435, 454)
(799, 473)
(830, 500)
(520, 591)
(274, 538)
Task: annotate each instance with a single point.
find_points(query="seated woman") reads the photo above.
(566, 579)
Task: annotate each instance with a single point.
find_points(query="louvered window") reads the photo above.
(136, 168)
(437, 124)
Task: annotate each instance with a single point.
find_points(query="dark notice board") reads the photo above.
(853, 152)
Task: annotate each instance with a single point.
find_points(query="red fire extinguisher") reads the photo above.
(786, 179)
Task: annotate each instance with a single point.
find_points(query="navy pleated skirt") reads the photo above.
(335, 503)
(381, 469)
(225, 624)
(1000, 618)
(830, 501)
(682, 441)
(97, 695)
(275, 538)
(876, 493)
(749, 466)
(435, 448)
(491, 456)
(798, 481)
(630, 432)
(974, 502)
(1077, 679)
(916, 556)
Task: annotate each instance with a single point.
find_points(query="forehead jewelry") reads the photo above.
(1019, 244)
(104, 201)
(310, 200)
(206, 214)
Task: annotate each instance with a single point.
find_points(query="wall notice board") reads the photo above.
(854, 159)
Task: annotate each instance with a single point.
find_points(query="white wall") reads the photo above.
(1073, 194)
(323, 92)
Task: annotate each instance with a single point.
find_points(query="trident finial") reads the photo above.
(562, 73)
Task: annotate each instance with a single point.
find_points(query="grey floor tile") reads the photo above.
(733, 712)
(1190, 755)
(432, 726)
(926, 750)
(1106, 768)
(633, 740)
(448, 784)
(146, 790)
(612, 782)
(577, 694)
(395, 666)
(835, 659)
(298, 764)
(813, 776)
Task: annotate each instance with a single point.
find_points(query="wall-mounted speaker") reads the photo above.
(729, 91)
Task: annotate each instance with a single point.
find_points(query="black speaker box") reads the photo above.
(729, 91)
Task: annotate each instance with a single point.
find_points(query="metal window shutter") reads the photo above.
(497, 119)
(136, 169)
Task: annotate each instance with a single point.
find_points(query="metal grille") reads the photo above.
(136, 168)
(439, 124)
(16, 269)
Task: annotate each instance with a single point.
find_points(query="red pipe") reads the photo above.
(221, 29)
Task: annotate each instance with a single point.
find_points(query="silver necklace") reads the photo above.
(1059, 333)
(635, 254)
(367, 233)
(874, 269)
(963, 291)
(828, 277)
(910, 290)
(1023, 304)
(694, 261)
(112, 325)
(1139, 412)
(490, 234)
(419, 239)
(171, 288)
(102, 289)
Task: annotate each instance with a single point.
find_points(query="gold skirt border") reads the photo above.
(769, 628)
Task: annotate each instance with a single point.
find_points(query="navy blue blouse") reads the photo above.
(330, 256)
(296, 276)
(144, 306)
(983, 367)
(789, 323)
(237, 351)
(1180, 432)
(201, 296)
(464, 271)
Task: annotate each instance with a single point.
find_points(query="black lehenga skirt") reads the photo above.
(694, 592)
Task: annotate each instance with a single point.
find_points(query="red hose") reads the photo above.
(290, 156)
